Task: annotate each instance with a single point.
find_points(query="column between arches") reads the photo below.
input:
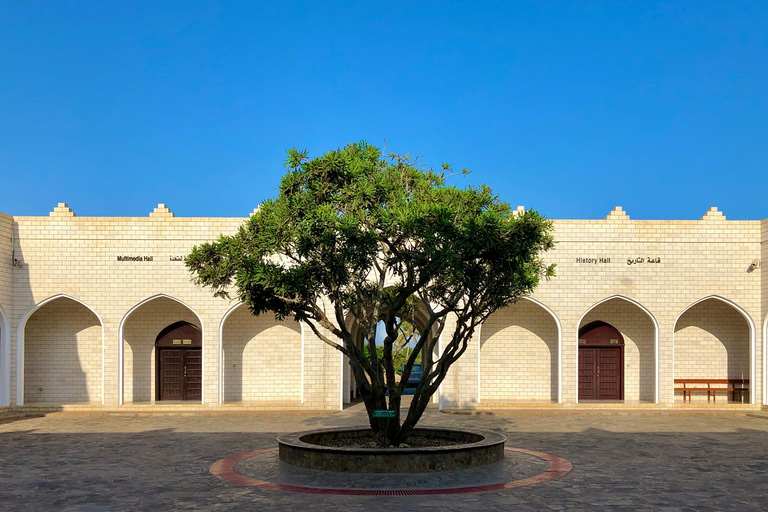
(5, 359)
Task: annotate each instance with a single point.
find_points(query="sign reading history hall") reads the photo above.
(630, 261)
(593, 261)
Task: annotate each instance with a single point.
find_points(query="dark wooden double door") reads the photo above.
(179, 362)
(181, 374)
(600, 373)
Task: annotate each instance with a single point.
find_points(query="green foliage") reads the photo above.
(336, 213)
(354, 238)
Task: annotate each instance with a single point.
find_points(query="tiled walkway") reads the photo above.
(620, 462)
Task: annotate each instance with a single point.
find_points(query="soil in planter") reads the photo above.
(413, 441)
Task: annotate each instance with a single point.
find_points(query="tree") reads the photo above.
(354, 239)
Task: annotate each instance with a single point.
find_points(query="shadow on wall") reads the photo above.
(262, 358)
(712, 342)
(62, 354)
(638, 331)
(518, 354)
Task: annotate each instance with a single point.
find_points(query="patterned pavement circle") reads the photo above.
(224, 469)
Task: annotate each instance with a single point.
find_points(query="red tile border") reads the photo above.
(224, 470)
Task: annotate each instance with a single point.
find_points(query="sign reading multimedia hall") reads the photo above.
(135, 258)
(147, 258)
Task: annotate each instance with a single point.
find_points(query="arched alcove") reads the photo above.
(635, 353)
(713, 339)
(60, 347)
(261, 358)
(139, 330)
(519, 355)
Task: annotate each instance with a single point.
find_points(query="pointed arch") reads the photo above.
(559, 349)
(751, 325)
(655, 337)
(221, 351)
(121, 342)
(20, 341)
(5, 359)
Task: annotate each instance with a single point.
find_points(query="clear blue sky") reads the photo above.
(568, 107)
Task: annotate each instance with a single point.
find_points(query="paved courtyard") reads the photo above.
(620, 462)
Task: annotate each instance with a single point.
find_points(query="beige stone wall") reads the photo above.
(62, 355)
(140, 332)
(711, 342)
(6, 292)
(262, 359)
(763, 319)
(78, 257)
(636, 327)
(518, 355)
(697, 259)
(600, 259)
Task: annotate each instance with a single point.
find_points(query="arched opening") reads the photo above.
(519, 355)
(617, 352)
(179, 362)
(61, 349)
(141, 329)
(261, 359)
(712, 342)
(349, 386)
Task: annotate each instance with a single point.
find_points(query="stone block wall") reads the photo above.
(62, 356)
(140, 331)
(262, 359)
(519, 355)
(711, 342)
(636, 327)
(6, 292)
(114, 264)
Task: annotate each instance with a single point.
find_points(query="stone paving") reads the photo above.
(621, 462)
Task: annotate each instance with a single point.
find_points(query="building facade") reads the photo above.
(101, 312)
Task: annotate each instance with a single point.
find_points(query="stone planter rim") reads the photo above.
(490, 438)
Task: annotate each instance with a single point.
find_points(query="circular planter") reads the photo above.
(477, 449)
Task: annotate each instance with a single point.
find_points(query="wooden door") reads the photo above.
(193, 374)
(171, 374)
(181, 374)
(600, 373)
(587, 373)
(609, 373)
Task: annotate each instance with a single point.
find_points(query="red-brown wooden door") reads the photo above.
(600, 373)
(181, 374)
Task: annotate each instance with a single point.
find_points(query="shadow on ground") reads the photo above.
(620, 463)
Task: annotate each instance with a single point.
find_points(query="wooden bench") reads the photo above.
(712, 387)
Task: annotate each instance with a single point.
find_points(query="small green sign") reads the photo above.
(383, 413)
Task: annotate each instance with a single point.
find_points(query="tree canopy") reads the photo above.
(355, 238)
